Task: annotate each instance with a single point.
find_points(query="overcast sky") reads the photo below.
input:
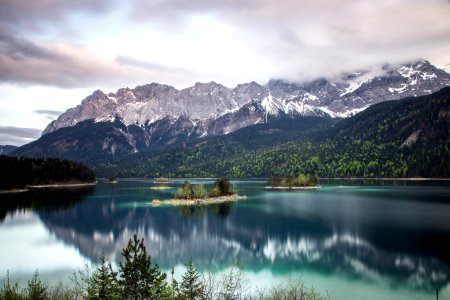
(53, 53)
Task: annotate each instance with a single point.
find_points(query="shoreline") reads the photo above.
(197, 201)
(320, 178)
(15, 191)
(292, 187)
(60, 185)
(387, 178)
(46, 186)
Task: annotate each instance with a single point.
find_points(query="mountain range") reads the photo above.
(212, 109)
(402, 138)
(150, 120)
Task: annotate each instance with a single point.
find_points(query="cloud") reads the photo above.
(18, 49)
(311, 38)
(157, 71)
(18, 136)
(51, 42)
(35, 15)
(49, 114)
(150, 66)
(56, 64)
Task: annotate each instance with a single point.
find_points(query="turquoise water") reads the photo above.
(376, 240)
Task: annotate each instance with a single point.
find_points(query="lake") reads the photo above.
(368, 240)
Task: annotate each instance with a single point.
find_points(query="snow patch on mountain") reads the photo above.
(398, 90)
(104, 119)
(427, 76)
(328, 112)
(351, 112)
(406, 71)
(309, 96)
(269, 105)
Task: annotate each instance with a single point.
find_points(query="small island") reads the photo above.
(196, 195)
(161, 180)
(112, 179)
(291, 182)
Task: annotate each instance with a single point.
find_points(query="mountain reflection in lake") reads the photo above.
(367, 234)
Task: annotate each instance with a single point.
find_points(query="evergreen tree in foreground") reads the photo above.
(191, 285)
(139, 279)
(36, 289)
(104, 284)
(175, 286)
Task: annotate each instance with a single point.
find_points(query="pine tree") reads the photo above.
(175, 286)
(104, 283)
(10, 291)
(224, 186)
(158, 284)
(191, 286)
(36, 290)
(139, 279)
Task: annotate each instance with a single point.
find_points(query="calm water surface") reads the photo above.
(371, 241)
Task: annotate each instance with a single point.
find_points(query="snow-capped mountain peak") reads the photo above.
(212, 109)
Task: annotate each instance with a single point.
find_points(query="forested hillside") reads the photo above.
(404, 138)
(18, 172)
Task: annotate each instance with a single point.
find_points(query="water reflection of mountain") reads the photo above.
(219, 236)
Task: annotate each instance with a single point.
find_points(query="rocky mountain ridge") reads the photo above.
(213, 109)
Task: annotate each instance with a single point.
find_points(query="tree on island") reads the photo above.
(311, 180)
(199, 191)
(186, 192)
(290, 181)
(221, 187)
(301, 179)
(214, 192)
